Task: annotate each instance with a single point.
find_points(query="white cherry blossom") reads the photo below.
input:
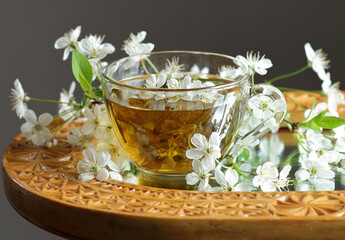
(113, 147)
(269, 179)
(317, 184)
(207, 150)
(283, 181)
(230, 72)
(68, 41)
(133, 45)
(334, 95)
(320, 147)
(154, 82)
(201, 174)
(339, 137)
(97, 67)
(229, 181)
(186, 83)
(206, 95)
(137, 50)
(99, 118)
(19, 99)
(67, 97)
(311, 169)
(93, 48)
(35, 130)
(203, 72)
(93, 165)
(81, 138)
(173, 68)
(317, 59)
(256, 63)
(271, 149)
(120, 171)
(266, 172)
(263, 107)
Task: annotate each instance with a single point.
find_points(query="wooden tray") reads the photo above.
(41, 184)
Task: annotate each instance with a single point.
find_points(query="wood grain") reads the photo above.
(42, 185)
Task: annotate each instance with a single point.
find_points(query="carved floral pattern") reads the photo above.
(51, 173)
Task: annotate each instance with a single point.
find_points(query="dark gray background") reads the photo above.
(278, 29)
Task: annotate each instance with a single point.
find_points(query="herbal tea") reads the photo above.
(156, 133)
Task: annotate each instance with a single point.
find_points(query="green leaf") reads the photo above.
(244, 156)
(83, 102)
(98, 92)
(81, 68)
(331, 122)
(310, 124)
(314, 122)
(319, 117)
(85, 85)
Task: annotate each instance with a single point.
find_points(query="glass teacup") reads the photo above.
(155, 118)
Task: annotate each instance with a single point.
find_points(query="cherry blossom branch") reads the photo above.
(270, 81)
(152, 65)
(53, 101)
(296, 103)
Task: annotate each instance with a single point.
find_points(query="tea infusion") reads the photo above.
(156, 133)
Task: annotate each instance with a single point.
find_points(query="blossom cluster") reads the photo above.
(320, 137)
(207, 165)
(154, 82)
(173, 77)
(321, 153)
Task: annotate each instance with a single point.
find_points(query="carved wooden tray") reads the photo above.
(41, 184)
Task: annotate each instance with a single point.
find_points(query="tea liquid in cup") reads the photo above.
(155, 125)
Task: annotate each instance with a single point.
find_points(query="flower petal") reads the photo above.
(197, 166)
(242, 187)
(268, 186)
(40, 137)
(256, 181)
(30, 116)
(102, 174)
(75, 33)
(131, 179)
(87, 176)
(265, 63)
(90, 155)
(195, 153)
(75, 131)
(199, 141)
(231, 176)
(45, 119)
(161, 79)
(302, 174)
(324, 185)
(66, 53)
(123, 165)
(87, 129)
(214, 139)
(108, 48)
(113, 166)
(208, 163)
(27, 129)
(309, 51)
(285, 172)
(83, 166)
(61, 42)
(220, 178)
(115, 175)
(103, 159)
(192, 178)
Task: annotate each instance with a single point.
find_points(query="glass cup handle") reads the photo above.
(276, 99)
